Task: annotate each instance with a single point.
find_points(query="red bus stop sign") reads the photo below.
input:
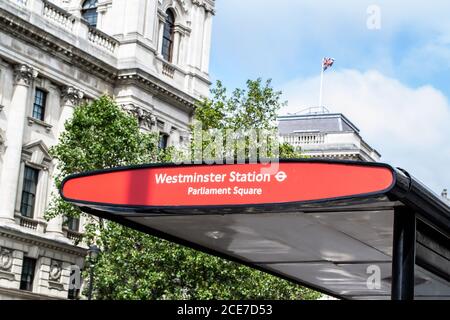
(225, 185)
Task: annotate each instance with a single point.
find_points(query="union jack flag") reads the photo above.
(327, 63)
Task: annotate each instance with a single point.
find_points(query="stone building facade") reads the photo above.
(321, 134)
(152, 56)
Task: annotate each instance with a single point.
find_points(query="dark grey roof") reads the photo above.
(330, 122)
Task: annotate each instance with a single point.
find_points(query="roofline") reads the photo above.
(319, 116)
(369, 146)
(428, 205)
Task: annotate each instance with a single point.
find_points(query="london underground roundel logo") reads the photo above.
(281, 176)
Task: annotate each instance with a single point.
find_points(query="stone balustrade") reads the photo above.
(168, 70)
(28, 223)
(67, 21)
(304, 139)
(72, 29)
(102, 40)
(58, 16)
(21, 2)
(333, 142)
(73, 235)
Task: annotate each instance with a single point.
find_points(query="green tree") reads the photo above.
(134, 265)
(253, 108)
(98, 136)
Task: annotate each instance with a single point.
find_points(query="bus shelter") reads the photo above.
(352, 230)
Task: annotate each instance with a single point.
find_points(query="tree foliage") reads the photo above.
(253, 108)
(133, 265)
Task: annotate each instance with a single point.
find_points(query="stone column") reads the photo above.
(41, 197)
(54, 226)
(176, 47)
(206, 42)
(2, 148)
(101, 11)
(70, 98)
(181, 50)
(196, 37)
(23, 76)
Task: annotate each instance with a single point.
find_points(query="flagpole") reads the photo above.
(321, 86)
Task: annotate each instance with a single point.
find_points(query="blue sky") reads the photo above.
(392, 82)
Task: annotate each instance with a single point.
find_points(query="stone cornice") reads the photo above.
(182, 29)
(48, 127)
(158, 87)
(25, 295)
(161, 15)
(39, 144)
(78, 58)
(103, 5)
(41, 242)
(183, 5)
(208, 5)
(51, 44)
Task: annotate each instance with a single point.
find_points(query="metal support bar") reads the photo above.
(404, 254)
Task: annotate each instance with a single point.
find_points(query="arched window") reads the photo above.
(89, 12)
(167, 40)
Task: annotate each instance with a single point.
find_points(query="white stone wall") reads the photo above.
(341, 145)
(46, 44)
(50, 284)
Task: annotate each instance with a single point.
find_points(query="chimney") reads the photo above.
(444, 194)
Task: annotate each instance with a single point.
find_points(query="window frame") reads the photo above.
(24, 201)
(89, 10)
(70, 221)
(28, 284)
(163, 137)
(168, 36)
(42, 106)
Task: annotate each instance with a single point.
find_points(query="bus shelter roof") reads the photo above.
(328, 225)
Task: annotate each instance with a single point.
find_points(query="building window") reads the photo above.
(28, 268)
(167, 41)
(73, 224)
(163, 140)
(40, 98)
(30, 180)
(89, 12)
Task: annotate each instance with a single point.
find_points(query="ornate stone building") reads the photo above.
(321, 134)
(151, 55)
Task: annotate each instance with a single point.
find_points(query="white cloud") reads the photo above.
(433, 57)
(410, 127)
(281, 38)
